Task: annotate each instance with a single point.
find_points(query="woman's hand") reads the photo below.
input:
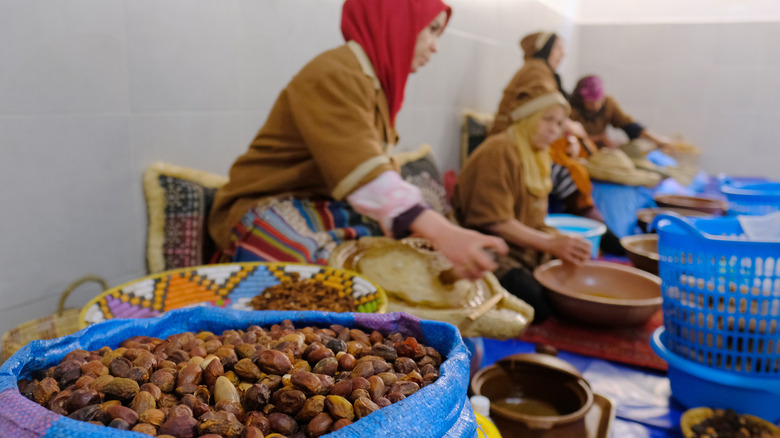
(465, 248)
(470, 251)
(570, 249)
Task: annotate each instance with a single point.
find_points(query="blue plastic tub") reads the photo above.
(721, 295)
(696, 385)
(581, 226)
(750, 197)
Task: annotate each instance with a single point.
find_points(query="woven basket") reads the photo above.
(226, 285)
(63, 322)
(694, 416)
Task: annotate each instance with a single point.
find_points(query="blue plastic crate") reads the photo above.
(750, 196)
(721, 294)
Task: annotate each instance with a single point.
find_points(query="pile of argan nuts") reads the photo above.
(253, 383)
(727, 423)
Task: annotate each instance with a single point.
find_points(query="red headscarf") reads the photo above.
(387, 30)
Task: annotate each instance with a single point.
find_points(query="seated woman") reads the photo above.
(543, 53)
(596, 110)
(319, 171)
(503, 189)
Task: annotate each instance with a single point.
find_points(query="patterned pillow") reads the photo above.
(419, 168)
(178, 201)
(474, 130)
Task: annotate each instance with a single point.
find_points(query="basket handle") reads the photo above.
(71, 287)
(679, 220)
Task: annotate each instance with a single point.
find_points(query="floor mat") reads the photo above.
(629, 345)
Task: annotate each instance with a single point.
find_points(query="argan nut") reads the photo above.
(43, 391)
(122, 388)
(152, 389)
(364, 406)
(224, 390)
(179, 427)
(346, 362)
(274, 362)
(341, 422)
(82, 397)
(152, 416)
(190, 374)
(319, 425)
(376, 387)
(252, 432)
(282, 424)
(327, 366)
(256, 396)
(143, 401)
(246, 369)
(118, 411)
(339, 407)
(212, 371)
(163, 379)
(342, 388)
(288, 401)
(307, 382)
(145, 428)
(311, 408)
(220, 423)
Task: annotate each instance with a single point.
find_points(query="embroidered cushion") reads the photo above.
(178, 201)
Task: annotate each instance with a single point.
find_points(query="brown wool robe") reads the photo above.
(533, 71)
(491, 189)
(328, 133)
(610, 114)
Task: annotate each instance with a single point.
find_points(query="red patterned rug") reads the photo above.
(626, 345)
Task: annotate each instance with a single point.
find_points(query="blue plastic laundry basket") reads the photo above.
(695, 385)
(721, 294)
(750, 197)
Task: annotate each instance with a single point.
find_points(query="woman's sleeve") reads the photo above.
(335, 115)
(620, 119)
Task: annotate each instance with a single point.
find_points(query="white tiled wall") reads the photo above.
(92, 91)
(716, 84)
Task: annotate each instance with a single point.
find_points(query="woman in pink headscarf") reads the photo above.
(319, 171)
(596, 110)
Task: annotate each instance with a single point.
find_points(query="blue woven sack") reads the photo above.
(441, 409)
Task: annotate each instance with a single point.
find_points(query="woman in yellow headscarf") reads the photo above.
(504, 186)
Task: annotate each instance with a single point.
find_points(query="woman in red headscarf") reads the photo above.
(319, 171)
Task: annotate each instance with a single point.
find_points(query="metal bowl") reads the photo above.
(601, 293)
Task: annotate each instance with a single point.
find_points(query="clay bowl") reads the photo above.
(645, 216)
(601, 293)
(715, 206)
(642, 251)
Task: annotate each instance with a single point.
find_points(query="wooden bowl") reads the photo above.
(601, 293)
(642, 251)
(715, 206)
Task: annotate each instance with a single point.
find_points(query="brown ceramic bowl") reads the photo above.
(533, 392)
(713, 206)
(601, 293)
(642, 251)
(645, 216)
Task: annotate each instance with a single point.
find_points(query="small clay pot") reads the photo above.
(714, 206)
(642, 251)
(533, 391)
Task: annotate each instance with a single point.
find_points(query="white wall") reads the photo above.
(673, 11)
(92, 91)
